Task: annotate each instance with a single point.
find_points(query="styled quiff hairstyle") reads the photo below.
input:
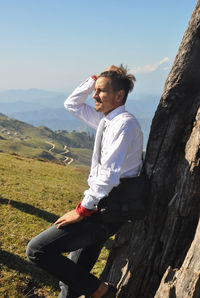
(120, 80)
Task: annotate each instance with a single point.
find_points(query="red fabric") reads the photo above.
(94, 77)
(82, 211)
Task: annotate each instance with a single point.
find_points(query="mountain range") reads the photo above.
(45, 108)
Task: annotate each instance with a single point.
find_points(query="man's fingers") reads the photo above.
(61, 224)
(112, 67)
(69, 217)
(58, 220)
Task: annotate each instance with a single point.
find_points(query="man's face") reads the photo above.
(105, 97)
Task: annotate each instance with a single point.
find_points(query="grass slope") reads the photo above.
(41, 142)
(32, 196)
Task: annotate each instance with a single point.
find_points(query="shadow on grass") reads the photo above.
(109, 243)
(17, 263)
(48, 216)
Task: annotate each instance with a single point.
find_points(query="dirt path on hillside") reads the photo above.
(53, 146)
(68, 160)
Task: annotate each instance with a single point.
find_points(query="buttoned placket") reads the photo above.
(102, 139)
(97, 144)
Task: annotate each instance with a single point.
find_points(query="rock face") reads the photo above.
(160, 256)
(184, 282)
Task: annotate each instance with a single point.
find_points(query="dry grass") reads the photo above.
(32, 195)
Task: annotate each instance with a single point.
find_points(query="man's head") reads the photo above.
(112, 88)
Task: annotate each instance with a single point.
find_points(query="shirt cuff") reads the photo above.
(94, 77)
(82, 211)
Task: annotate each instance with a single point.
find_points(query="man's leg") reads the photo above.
(86, 258)
(46, 250)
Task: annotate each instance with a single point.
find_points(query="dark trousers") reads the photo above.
(85, 240)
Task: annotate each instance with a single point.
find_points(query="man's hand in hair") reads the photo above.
(113, 68)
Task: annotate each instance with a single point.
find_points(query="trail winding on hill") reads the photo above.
(53, 146)
(68, 160)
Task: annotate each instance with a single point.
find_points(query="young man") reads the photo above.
(117, 155)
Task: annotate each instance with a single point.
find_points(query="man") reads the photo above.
(117, 155)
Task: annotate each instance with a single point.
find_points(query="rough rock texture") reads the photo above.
(184, 282)
(163, 248)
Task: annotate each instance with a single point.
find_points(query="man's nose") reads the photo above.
(96, 94)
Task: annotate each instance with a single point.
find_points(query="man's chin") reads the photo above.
(98, 108)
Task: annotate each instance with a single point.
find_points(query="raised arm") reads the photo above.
(76, 104)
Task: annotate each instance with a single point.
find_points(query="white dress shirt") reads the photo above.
(121, 144)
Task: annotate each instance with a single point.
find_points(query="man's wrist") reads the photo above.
(94, 77)
(82, 211)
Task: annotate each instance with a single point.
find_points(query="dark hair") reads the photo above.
(120, 79)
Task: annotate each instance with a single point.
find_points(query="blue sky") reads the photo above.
(54, 45)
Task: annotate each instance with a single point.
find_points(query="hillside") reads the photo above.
(41, 142)
(32, 196)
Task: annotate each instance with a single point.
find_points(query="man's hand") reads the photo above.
(68, 218)
(112, 67)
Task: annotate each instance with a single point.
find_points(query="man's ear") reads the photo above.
(120, 95)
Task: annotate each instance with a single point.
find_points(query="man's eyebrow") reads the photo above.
(101, 88)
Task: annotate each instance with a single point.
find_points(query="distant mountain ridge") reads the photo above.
(30, 95)
(39, 107)
(55, 119)
(12, 101)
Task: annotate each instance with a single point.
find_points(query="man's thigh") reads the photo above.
(71, 237)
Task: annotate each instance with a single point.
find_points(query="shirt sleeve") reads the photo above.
(109, 171)
(75, 104)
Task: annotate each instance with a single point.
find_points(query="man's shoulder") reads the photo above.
(125, 121)
(126, 117)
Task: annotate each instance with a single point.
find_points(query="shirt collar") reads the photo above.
(115, 112)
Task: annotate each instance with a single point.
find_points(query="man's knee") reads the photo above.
(33, 253)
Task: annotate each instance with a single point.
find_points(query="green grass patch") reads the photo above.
(32, 195)
(81, 155)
